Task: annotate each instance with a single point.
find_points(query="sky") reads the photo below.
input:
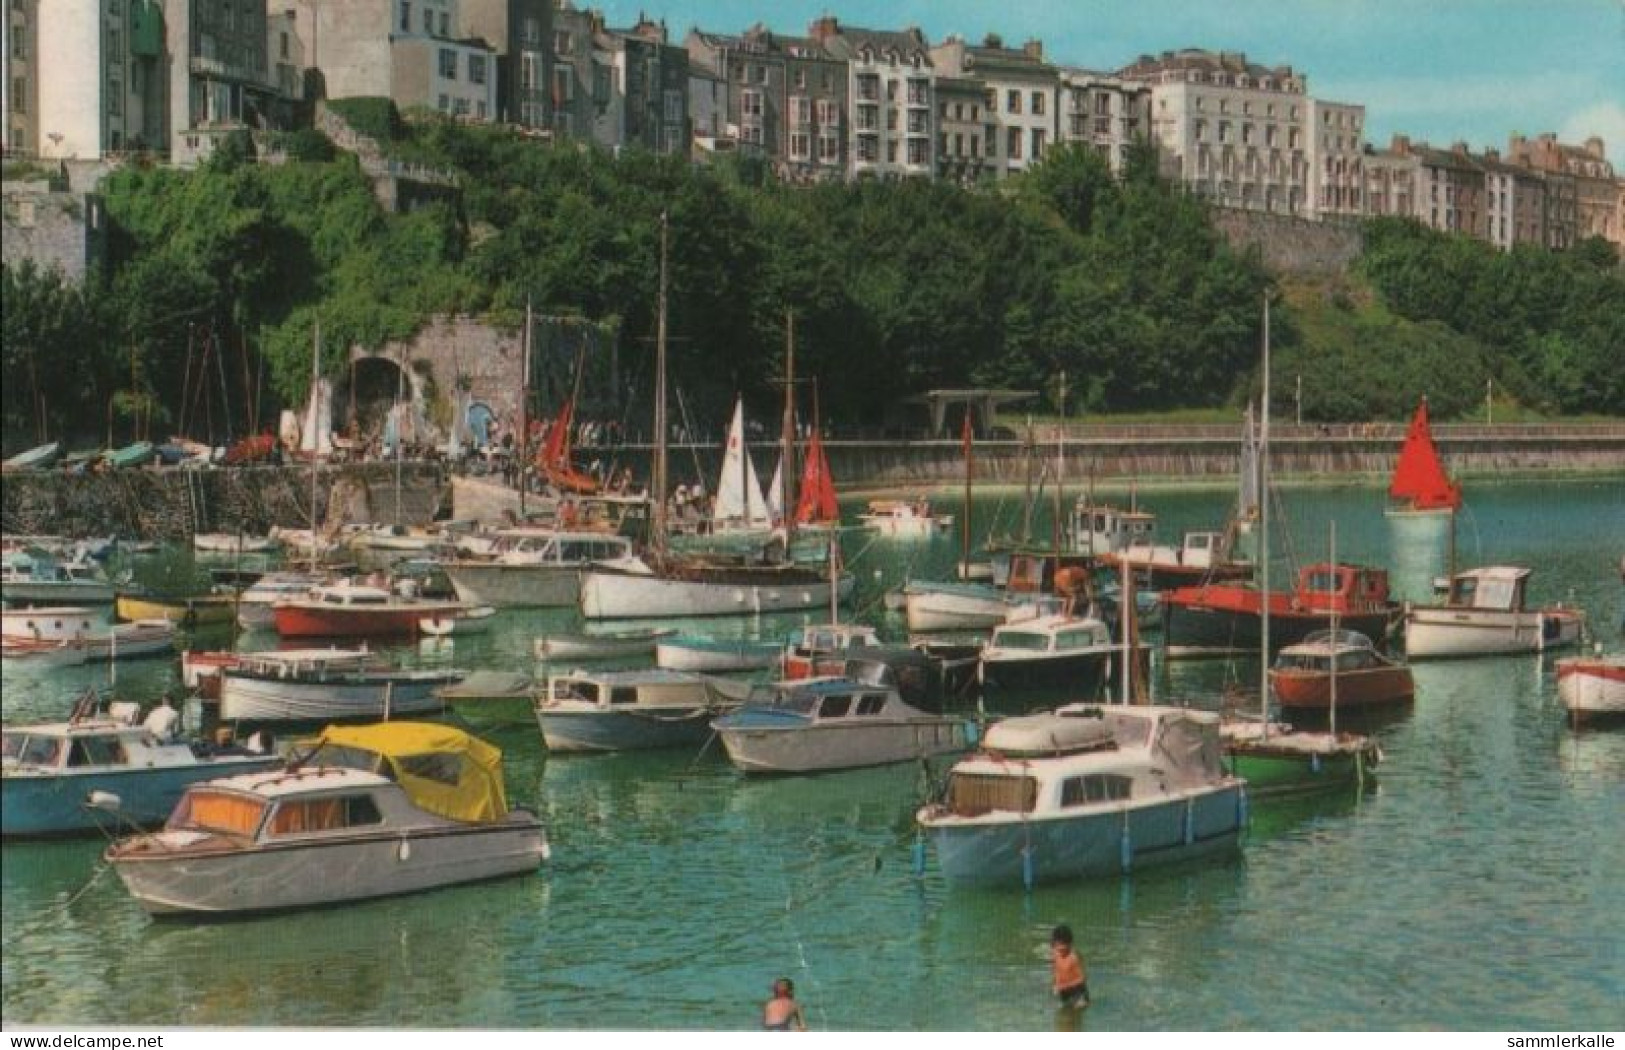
(1437, 70)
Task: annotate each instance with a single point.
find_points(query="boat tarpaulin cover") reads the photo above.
(442, 769)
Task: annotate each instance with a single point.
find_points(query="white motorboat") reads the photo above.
(1592, 686)
(468, 621)
(822, 649)
(49, 623)
(1485, 614)
(201, 668)
(232, 543)
(1086, 792)
(52, 770)
(374, 811)
(706, 585)
(1068, 652)
(970, 606)
(608, 646)
(124, 641)
(627, 710)
(324, 685)
(902, 519)
(716, 654)
(534, 567)
(398, 538)
(32, 576)
(821, 724)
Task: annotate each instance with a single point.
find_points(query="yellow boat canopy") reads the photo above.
(442, 769)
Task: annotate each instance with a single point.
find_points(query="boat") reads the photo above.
(305, 543)
(53, 769)
(822, 724)
(627, 710)
(392, 537)
(689, 653)
(373, 811)
(232, 543)
(49, 623)
(32, 576)
(1069, 652)
(491, 700)
(534, 567)
(1592, 687)
(318, 686)
(903, 519)
(740, 505)
(1200, 557)
(201, 668)
(1302, 677)
(932, 676)
(470, 621)
(256, 603)
(256, 448)
(138, 454)
(1220, 619)
(818, 646)
(1085, 792)
(124, 641)
(608, 646)
(951, 606)
(1421, 488)
(1485, 614)
(40, 457)
(352, 610)
(199, 610)
(816, 506)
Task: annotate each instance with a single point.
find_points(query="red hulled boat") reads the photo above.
(350, 610)
(1302, 677)
(1218, 619)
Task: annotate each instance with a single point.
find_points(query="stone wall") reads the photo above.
(174, 504)
(63, 231)
(1292, 245)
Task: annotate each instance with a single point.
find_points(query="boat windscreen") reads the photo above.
(218, 812)
(348, 758)
(973, 794)
(1026, 640)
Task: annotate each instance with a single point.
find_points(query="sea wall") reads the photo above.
(1289, 244)
(174, 504)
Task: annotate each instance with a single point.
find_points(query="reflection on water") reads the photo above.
(1487, 859)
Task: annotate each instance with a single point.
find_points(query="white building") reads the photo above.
(892, 95)
(1335, 137)
(1105, 112)
(1021, 92)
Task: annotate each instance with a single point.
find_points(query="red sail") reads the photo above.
(817, 501)
(1419, 477)
(556, 452)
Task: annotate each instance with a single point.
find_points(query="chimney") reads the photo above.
(824, 27)
(1400, 144)
(1033, 49)
(993, 40)
(1491, 153)
(1593, 146)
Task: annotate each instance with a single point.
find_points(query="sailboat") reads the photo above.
(740, 505)
(1269, 756)
(1421, 487)
(665, 583)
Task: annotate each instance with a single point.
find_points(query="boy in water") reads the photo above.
(782, 1013)
(1070, 981)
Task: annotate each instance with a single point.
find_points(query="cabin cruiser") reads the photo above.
(821, 649)
(1303, 674)
(902, 519)
(1485, 614)
(325, 685)
(532, 567)
(256, 604)
(833, 723)
(627, 710)
(372, 811)
(53, 770)
(69, 635)
(31, 576)
(355, 610)
(1064, 651)
(1085, 792)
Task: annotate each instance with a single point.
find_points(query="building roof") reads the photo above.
(1202, 60)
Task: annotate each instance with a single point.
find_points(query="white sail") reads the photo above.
(739, 493)
(775, 492)
(316, 433)
(1247, 503)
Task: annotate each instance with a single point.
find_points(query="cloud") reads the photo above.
(1606, 120)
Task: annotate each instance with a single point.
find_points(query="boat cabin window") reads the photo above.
(301, 816)
(1323, 581)
(437, 766)
(36, 750)
(836, 705)
(1027, 640)
(870, 704)
(1078, 638)
(1095, 787)
(822, 641)
(350, 758)
(575, 689)
(1497, 594)
(972, 794)
(218, 812)
(623, 694)
(97, 751)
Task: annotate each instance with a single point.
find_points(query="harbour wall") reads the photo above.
(173, 504)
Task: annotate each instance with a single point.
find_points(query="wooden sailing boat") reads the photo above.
(664, 583)
(1420, 484)
(1270, 756)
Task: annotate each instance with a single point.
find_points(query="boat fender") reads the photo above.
(1314, 764)
(1125, 848)
(1190, 821)
(403, 853)
(919, 855)
(547, 850)
(1029, 874)
(1242, 814)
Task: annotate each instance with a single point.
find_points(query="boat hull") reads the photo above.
(599, 646)
(1080, 675)
(717, 655)
(648, 728)
(187, 612)
(54, 804)
(314, 620)
(817, 748)
(1592, 688)
(1098, 844)
(1373, 687)
(250, 698)
(544, 586)
(617, 595)
(1193, 629)
(305, 874)
(50, 592)
(951, 610)
(1272, 771)
(1442, 632)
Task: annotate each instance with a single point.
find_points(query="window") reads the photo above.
(428, 21)
(801, 79)
(445, 24)
(835, 706)
(1038, 103)
(562, 42)
(801, 110)
(448, 64)
(1013, 143)
(800, 145)
(918, 123)
(919, 151)
(303, 816)
(761, 74)
(674, 106)
(406, 16)
(750, 105)
(868, 150)
(115, 98)
(1012, 101)
(972, 794)
(870, 704)
(444, 104)
(218, 812)
(1095, 787)
(19, 94)
(476, 69)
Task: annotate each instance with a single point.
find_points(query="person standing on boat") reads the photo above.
(782, 1013)
(1070, 981)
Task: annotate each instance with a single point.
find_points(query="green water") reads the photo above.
(1481, 886)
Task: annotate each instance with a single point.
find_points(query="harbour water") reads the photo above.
(1481, 885)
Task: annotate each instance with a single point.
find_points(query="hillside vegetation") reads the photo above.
(217, 277)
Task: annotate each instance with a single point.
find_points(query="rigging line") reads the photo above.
(688, 429)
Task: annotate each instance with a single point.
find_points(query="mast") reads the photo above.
(1334, 637)
(1058, 529)
(523, 447)
(964, 533)
(400, 432)
(787, 432)
(1264, 531)
(315, 440)
(658, 473)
